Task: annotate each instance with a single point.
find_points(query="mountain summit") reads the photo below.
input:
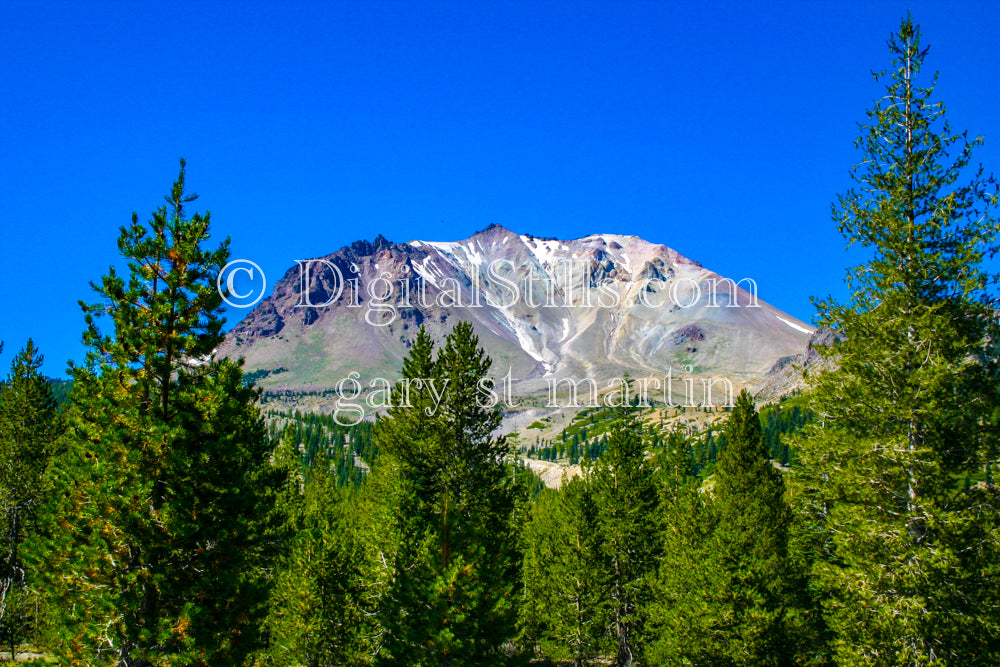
(594, 307)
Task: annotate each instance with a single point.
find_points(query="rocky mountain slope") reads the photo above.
(594, 307)
(788, 373)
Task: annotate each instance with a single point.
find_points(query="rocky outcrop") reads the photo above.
(788, 373)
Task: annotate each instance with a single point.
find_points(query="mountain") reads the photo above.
(594, 307)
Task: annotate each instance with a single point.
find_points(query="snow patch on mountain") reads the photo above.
(796, 326)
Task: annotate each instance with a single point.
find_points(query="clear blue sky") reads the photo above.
(723, 130)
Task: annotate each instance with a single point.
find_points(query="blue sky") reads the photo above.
(723, 130)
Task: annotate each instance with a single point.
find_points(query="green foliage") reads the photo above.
(674, 461)
(780, 422)
(681, 610)
(162, 519)
(585, 437)
(254, 376)
(624, 490)
(565, 609)
(348, 449)
(907, 561)
(60, 391)
(320, 611)
(752, 543)
(455, 565)
(29, 426)
(725, 590)
(706, 451)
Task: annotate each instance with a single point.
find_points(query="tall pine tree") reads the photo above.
(161, 526)
(751, 545)
(679, 613)
(624, 490)
(910, 561)
(725, 586)
(451, 598)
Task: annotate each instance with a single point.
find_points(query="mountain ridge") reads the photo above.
(594, 308)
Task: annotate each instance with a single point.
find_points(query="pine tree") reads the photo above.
(29, 426)
(683, 526)
(909, 564)
(162, 523)
(410, 429)
(733, 551)
(751, 543)
(456, 567)
(624, 491)
(681, 610)
(675, 466)
(565, 612)
(409, 437)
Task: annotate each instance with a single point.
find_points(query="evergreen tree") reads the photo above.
(624, 491)
(162, 521)
(751, 543)
(565, 612)
(910, 561)
(733, 553)
(319, 612)
(452, 597)
(411, 427)
(29, 427)
(675, 466)
(683, 526)
(681, 610)
(409, 436)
